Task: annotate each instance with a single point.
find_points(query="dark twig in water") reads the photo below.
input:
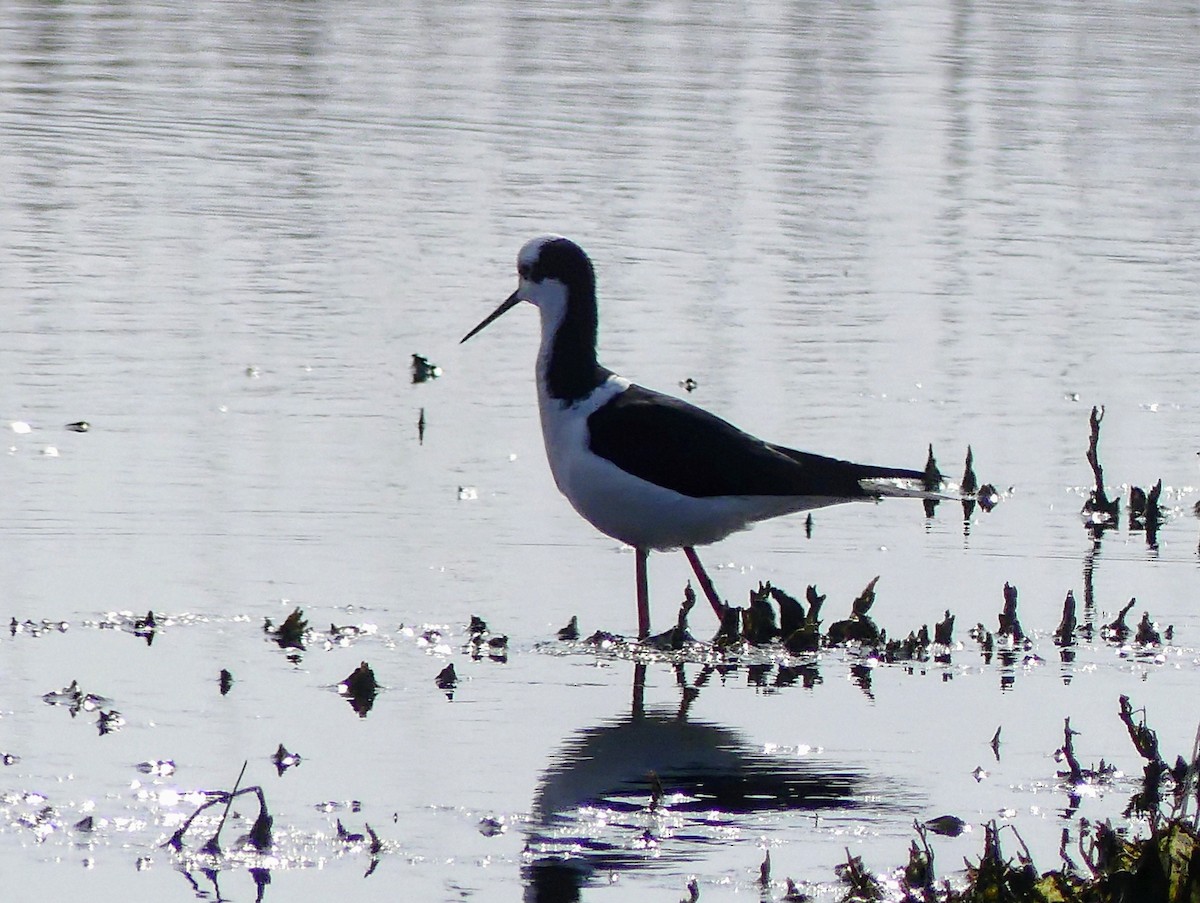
(933, 482)
(360, 689)
(1099, 511)
(970, 483)
(570, 633)
(213, 845)
(1118, 630)
(291, 634)
(1009, 624)
(1075, 775)
(861, 885)
(260, 834)
(918, 873)
(1065, 635)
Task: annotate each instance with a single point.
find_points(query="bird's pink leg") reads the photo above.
(705, 583)
(643, 594)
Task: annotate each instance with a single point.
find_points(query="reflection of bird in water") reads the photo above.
(650, 470)
(689, 771)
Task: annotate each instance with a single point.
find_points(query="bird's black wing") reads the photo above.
(672, 443)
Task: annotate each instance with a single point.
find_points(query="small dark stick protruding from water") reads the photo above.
(145, 627)
(1065, 635)
(1099, 511)
(808, 523)
(1137, 505)
(447, 680)
(933, 482)
(1117, 629)
(477, 628)
(995, 744)
(943, 631)
(570, 633)
(1009, 624)
(1075, 775)
(791, 610)
(283, 759)
(421, 428)
(1153, 515)
(225, 681)
(360, 688)
(970, 484)
(656, 790)
(1146, 634)
(761, 626)
(764, 871)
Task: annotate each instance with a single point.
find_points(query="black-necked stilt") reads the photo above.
(647, 469)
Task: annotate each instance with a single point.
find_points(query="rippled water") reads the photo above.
(860, 230)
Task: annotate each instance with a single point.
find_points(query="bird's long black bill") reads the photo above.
(509, 302)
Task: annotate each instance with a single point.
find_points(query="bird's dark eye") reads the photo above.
(523, 270)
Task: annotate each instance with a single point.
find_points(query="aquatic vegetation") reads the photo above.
(1160, 866)
(292, 633)
(424, 369)
(360, 689)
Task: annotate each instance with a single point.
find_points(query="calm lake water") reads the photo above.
(226, 229)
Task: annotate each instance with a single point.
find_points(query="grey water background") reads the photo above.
(227, 227)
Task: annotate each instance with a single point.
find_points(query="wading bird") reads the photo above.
(650, 470)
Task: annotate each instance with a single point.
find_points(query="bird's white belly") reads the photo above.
(631, 509)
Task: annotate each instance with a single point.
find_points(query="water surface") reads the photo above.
(859, 230)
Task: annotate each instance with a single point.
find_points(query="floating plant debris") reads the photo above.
(79, 426)
(258, 838)
(160, 768)
(492, 827)
(1160, 867)
(423, 369)
(36, 628)
(858, 627)
(447, 680)
(570, 633)
(109, 722)
(145, 627)
(346, 836)
(678, 636)
(360, 689)
(292, 633)
(283, 759)
(75, 700)
(1010, 626)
